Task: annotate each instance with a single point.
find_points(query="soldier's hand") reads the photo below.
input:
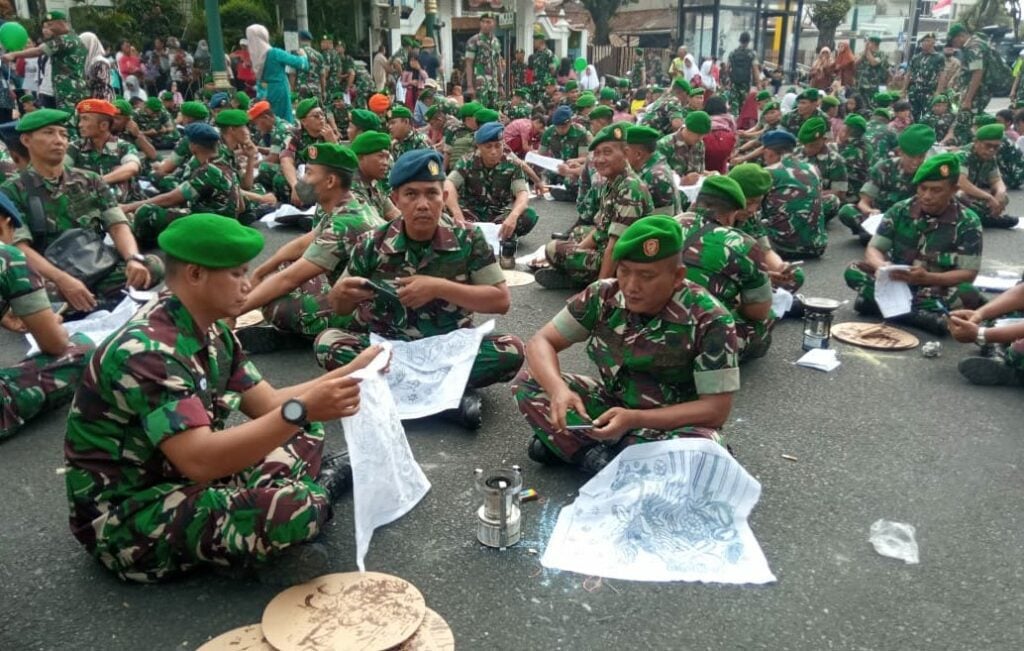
(364, 358)
(962, 330)
(333, 397)
(268, 199)
(296, 201)
(691, 178)
(508, 228)
(13, 323)
(612, 424)
(417, 291)
(974, 316)
(137, 275)
(76, 293)
(561, 402)
(350, 290)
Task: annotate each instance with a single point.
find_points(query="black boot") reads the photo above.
(541, 453)
(335, 476)
(595, 458)
(549, 278)
(866, 307)
(796, 310)
(468, 413)
(989, 371)
(507, 257)
(1002, 221)
(931, 322)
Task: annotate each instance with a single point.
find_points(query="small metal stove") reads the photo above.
(499, 518)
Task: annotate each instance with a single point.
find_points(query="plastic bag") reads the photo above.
(895, 540)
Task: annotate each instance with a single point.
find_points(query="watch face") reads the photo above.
(293, 411)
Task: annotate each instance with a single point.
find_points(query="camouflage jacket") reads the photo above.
(858, 162)
(415, 140)
(888, 184)
(723, 260)
(21, 290)
(589, 198)
(520, 110)
(792, 121)
(573, 144)
(941, 123)
(337, 233)
(973, 57)
(309, 79)
(277, 138)
(621, 201)
(115, 152)
(158, 121)
(212, 187)
(940, 243)
(662, 112)
(791, 210)
(982, 173)
(485, 52)
(155, 377)
(458, 254)
(78, 199)
(687, 350)
(873, 76)
(542, 62)
(923, 74)
(658, 177)
(830, 166)
(67, 68)
(298, 140)
(636, 73)
(1011, 163)
(518, 72)
(682, 158)
(370, 193)
(488, 192)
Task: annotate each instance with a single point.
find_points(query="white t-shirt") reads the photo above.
(31, 82)
(46, 85)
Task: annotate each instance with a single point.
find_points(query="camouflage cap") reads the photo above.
(938, 168)
(333, 155)
(649, 239)
(754, 180)
(723, 187)
(916, 139)
(210, 240)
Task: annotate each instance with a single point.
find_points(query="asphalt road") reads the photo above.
(887, 435)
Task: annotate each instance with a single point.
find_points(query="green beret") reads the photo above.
(639, 135)
(987, 132)
(940, 99)
(41, 118)
(55, 15)
(763, 96)
(166, 96)
(365, 120)
(305, 106)
(983, 119)
(623, 83)
(243, 100)
(585, 101)
(231, 118)
(400, 111)
(370, 142)
(571, 85)
(723, 187)
(754, 180)
(698, 122)
(469, 109)
(916, 139)
(609, 94)
(210, 240)
(432, 111)
(882, 99)
(124, 108)
(681, 84)
(696, 91)
(856, 121)
(830, 100)
(812, 129)
(194, 110)
(611, 133)
(602, 113)
(771, 106)
(333, 155)
(485, 115)
(28, 99)
(522, 92)
(956, 29)
(882, 112)
(417, 165)
(938, 168)
(153, 104)
(649, 239)
(811, 94)
(875, 39)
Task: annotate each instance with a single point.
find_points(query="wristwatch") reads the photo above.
(138, 257)
(293, 411)
(980, 338)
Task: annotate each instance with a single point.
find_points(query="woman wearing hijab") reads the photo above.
(268, 64)
(845, 64)
(414, 79)
(590, 80)
(709, 73)
(97, 68)
(823, 70)
(691, 72)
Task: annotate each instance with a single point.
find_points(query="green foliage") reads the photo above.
(601, 12)
(985, 13)
(830, 13)
(139, 20)
(236, 15)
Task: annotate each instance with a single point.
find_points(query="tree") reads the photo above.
(985, 13)
(827, 16)
(601, 12)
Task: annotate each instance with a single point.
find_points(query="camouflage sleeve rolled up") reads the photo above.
(483, 266)
(456, 176)
(337, 235)
(577, 319)
(20, 287)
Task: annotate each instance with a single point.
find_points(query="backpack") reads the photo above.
(998, 75)
(741, 67)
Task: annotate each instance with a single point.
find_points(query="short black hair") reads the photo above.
(902, 105)
(344, 177)
(745, 38)
(712, 204)
(1005, 115)
(1019, 116)
(715, 106)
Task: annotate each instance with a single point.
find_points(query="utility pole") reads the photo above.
(302, 14)
(216, 41)
(431, 20)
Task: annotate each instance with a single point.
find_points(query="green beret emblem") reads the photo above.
(651, 247)
(944, 171)
(311, 153)
(618, 133)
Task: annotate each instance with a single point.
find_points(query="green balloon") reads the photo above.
(13, 36)
(580, 65)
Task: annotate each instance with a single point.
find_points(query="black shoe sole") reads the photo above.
(552, 279)
(542, 454)
(986, 371)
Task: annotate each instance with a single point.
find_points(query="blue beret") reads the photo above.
(202, 133)
(304, 35)
(417, 165)
(778, 137)
(490, 132)
(561, 116)
(7, 206)
(218, 100)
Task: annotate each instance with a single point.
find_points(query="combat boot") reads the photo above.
(989, 371)
(507, 257)
(469, 413)
(549, 278)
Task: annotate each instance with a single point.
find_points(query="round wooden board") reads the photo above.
(432, 635)
(517, 278)
(244, 638)
(878, 336)
(365, 611)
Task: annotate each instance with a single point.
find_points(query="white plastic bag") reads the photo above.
(895, 540)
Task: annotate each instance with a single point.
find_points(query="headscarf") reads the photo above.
(590, 80)
(202, 51)
(259, 46)
(824, 57)
(707, 75)
(844, 55)
(690, 69)
(94, 49)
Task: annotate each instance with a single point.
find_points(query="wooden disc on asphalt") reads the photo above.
(250, 318)
(432, 635)
(878, 336)
(517, 278)
(245, 638)
(365, 611)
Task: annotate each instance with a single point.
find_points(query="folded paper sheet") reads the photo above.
(98, 325)
(893, 296)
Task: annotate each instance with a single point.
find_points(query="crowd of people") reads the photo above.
(696, 202)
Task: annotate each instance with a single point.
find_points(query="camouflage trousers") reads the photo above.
(486, 88)
(39, 383)
(1011, 166)
(111, 286)
(736, 96)
(498, 360)
(1015, 357)
(581, 265)
(305, 310)
(151, 220)
(793, 286)
(830, 207)
(239, 521)
(925, 299)
(962, 128)
(535, 404)
(921, 102)
(168, 141)
(982, 208)
(266, 173)
(851, 217)
(524, 224)
(341, 116)
(754, 337)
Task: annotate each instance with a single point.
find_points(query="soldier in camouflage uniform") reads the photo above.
(458, 132)
(684, 149)
(518, 69)
(590, 182)
(98, 150)
(312, 129)
(623, 199)
(827, 162)
(372, 148)
(271, 138)
(889, 180)
(939, 118)
(419, 266)
(728, 263)
(636, 72)
(660, 344)
(210, 185)
(743, 72)
(309, 82)
(566, 141)
(294, 299)
(1011, 163)
(483, 64)
(923, 76)
(791, 211)
(938, 237)
(490, 186)
(344, 79)
(856, 155)
(542, 63)
(47, 380)
(583, 106)
(157, 484)
(977, 78)
(363, 85)
(872, 70)
(654, 171)
(169, 171)
(156, 124)
(1000, 360)
(807, 107)
(71, 198)
(518, 107)
(667, 112)
(404, 136)
(66, 58)
(981, 185)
